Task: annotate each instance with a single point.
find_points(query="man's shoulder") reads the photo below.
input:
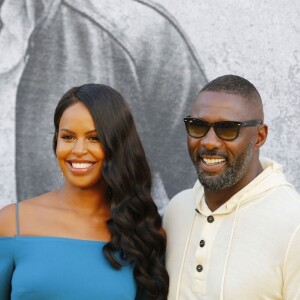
(178, 217)
(292, 194)
(183, 198)
(281, 202)
(181, 205)
(288, 200)
(288, 196)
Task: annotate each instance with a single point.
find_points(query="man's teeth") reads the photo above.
(80, 165)
(212, 161)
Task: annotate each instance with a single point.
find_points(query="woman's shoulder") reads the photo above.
(8, 220)
(9, 214)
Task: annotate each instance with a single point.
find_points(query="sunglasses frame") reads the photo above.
(189, 120)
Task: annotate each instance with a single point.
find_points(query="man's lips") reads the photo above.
(212, 164)
(213, 161)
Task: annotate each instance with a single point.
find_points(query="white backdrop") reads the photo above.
(259, 40)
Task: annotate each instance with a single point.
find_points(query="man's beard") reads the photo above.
(233, 173)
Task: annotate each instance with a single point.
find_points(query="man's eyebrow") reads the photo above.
(70, 131)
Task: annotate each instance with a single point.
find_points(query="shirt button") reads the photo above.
(202, 243)
(199, 268)
(210, 219)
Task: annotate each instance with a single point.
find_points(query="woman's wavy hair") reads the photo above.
(135, 223)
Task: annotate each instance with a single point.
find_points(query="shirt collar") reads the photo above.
(244, 195)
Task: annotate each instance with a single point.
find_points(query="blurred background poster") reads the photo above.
(158, 56)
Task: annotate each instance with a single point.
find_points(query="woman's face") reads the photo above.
(79, 153)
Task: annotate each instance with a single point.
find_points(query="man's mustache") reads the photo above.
(211, 153)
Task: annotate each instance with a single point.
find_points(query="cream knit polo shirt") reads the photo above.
(248, 249)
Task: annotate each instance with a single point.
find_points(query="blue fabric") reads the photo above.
(51, 268)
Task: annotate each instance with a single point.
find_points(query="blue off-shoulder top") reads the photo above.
(55, 268)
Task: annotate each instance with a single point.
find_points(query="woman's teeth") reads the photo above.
(80, 165)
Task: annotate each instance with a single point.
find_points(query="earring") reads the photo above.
(62, 176)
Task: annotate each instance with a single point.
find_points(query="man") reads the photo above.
(236, 234)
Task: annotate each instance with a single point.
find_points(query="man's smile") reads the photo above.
(211, 164)
(213, 161)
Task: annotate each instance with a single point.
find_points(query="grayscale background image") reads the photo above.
(158, 55)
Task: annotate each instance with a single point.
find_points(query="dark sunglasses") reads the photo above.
(227, 130)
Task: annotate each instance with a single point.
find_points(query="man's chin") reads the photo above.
(211, 187)
(213, 182)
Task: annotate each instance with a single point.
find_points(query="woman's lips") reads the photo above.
(80, 167)
(77, 165)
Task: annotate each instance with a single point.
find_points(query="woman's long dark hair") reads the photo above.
(135, 223)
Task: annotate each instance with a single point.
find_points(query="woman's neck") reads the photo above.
(86, 201)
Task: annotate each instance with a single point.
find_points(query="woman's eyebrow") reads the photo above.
(70, 131)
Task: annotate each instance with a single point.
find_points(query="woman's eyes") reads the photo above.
(67, 137)
(70, 138)
(93, 138)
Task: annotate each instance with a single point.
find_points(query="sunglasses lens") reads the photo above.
(227, 131)
(197, 129)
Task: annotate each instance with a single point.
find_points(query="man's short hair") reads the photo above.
(236, 85)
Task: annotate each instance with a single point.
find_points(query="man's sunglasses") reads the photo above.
(227, 130)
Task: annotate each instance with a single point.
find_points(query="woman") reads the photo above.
(99, 236)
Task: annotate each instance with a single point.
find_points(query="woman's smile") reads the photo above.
(78, 167)
(79, 151)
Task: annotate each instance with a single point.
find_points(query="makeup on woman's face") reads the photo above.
(79, 153)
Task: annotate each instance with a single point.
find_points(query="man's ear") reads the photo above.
(261, 135)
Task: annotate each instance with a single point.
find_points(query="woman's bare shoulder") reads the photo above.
(27, 208)
(8, 220)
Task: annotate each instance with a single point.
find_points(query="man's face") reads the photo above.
(222, 164)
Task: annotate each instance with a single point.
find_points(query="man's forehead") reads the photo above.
(221, 105)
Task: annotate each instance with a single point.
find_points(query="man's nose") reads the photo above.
(211, 141)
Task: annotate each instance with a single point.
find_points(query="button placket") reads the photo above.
(210, 227)
(210, 219)
(199, 268)
(202, 243)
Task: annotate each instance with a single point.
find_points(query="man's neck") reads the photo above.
(215, 199)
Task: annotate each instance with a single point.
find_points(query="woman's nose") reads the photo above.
(79, 147)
